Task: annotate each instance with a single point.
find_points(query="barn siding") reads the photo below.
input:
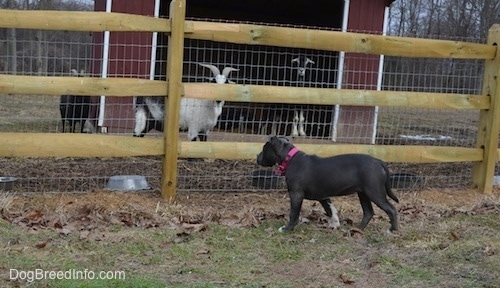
(355, 124)
(360, 71)
(129, 56)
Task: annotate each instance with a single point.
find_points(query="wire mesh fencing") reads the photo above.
(144, 55)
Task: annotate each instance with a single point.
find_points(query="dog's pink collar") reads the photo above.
(282, 167)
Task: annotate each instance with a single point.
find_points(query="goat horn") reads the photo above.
(212, 68)
(228, 70)
(309, 61)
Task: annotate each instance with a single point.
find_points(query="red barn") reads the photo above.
(132, 54)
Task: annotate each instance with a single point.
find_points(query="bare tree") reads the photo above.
(464, 20)
(41, 41)
(444, 18)
(11, 44)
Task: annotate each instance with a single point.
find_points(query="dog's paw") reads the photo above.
(333, 223)
(281, 229)
(393, 233)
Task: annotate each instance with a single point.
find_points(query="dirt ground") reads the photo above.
(92, 216)
(238, 208)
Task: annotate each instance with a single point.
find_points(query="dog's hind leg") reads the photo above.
(331, 212)
(390, 210)
(366, 204)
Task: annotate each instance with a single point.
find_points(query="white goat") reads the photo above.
(197, 116)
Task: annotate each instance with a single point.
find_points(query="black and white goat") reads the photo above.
(298, 119)
(74, 109)
(197, 116)
(298, 127)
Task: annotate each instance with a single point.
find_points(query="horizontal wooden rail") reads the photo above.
(389, 153)
(321, 96)
(338, 41)
(123, 87)
(100, 145)
(77, 145)
(81, 21)
(249, 34)
(91, 86)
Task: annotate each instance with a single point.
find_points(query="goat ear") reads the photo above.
(295, 60)
(74, 71)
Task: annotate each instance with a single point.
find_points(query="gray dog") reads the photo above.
(315, 178)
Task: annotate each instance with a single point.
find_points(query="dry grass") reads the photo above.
(448, 238)
(29, 113)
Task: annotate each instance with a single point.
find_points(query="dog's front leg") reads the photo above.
(331, 212)
(295, 206)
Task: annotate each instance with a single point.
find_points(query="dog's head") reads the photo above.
(274, 151)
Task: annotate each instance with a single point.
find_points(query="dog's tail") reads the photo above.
(388, 184)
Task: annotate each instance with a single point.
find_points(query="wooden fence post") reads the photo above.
(175, 58)
(489, 121)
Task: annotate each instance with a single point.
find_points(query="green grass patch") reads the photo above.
(424, 254)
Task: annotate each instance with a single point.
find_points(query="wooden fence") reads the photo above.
(484, 156)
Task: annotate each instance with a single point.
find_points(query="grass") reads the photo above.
(436, 246)
(257, 257)
(29, 113)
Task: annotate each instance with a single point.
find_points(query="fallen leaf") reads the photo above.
(34, 215)
(349, 221)
(181, 237)
(83, 212)
(58, 225)
(489, 251)
(84, 234)
(114, 220)
(454, 235)
(164, 245)
(41, 245)
(203, 252)
(345, 279)
(128, 222)
(356, 231)
(194, 227)
(345, 261)
(372, 264)
(230, 220)
(65, 231)
(443, 246)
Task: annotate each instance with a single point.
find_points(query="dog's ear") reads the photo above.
(273, 139)
(278, 142)
(284, 139)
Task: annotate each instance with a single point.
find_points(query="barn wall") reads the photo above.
(355, 124)
(129, 56)
(132, 56)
